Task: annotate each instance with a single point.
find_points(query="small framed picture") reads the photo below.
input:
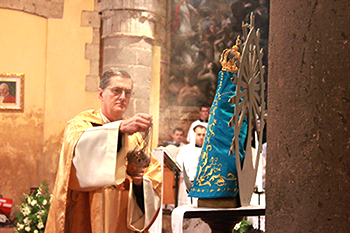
(11, 92)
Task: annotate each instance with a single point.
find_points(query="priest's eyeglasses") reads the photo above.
(117, 91)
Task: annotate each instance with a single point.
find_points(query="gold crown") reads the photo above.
(231, 65)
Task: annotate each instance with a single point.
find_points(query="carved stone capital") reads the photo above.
(142, 5)
(128, 23)
(128, 18)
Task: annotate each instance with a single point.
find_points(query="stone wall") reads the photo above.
(92, 50)
(44, 8)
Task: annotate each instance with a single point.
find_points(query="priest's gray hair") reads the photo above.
(105, 79)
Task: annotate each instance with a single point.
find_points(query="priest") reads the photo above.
(93, 190)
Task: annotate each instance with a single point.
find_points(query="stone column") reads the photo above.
(127, 37)
(308, 155)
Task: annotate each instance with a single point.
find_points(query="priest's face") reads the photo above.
(115, 97)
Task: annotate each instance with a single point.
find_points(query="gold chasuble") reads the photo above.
(96, 195)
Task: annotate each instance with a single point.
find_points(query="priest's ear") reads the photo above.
(100, 93)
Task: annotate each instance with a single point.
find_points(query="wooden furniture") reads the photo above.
(171, 174)
(168, 186)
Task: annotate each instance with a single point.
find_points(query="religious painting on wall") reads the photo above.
(200, 31)
(11, 92)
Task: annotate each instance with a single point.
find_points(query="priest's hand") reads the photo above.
(138, 123)
(137, 180)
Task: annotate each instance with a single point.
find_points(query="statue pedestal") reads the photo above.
(219, 219)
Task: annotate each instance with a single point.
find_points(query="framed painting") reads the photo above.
(11, 92)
